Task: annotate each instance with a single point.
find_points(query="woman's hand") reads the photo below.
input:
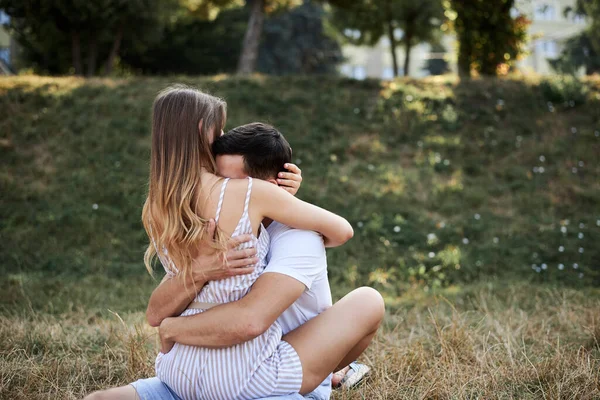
(166, 344)
(211, 264)
(290, 181)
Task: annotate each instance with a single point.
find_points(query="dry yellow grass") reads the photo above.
(487, 342)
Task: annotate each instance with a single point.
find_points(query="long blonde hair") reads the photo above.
(179, 151)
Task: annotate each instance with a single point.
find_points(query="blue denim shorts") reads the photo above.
(154, 389)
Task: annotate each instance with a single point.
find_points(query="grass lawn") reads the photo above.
(488, 341)
(476, 208)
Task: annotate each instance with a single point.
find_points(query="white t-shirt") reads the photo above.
(301, 255)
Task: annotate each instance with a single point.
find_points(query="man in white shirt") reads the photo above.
(293, 288)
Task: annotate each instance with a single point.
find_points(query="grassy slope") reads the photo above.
(411, 164)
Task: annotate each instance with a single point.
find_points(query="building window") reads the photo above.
(578, 19)
(352, 33)
(354, 71)
(545, 12)
(4, 19)
(548, 48)
(346, 70)
(398, 33)
(359, 72)
(388, 73)
(5, 55)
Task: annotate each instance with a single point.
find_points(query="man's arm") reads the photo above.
(236, 322)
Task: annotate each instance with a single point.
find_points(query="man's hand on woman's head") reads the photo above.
(290, 181)
(211, 264)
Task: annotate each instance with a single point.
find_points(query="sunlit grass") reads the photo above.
(487, 341)
(447, 184)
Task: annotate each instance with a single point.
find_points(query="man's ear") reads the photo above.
(273, 181)
(200, 127)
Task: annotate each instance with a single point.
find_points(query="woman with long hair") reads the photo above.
(184, 193)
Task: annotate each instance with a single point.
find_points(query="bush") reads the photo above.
(564, 89)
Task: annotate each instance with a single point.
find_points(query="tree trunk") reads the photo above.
(114, 51)
(249, 55)
(92, 56)
(464, 59)
(407, 47)
(76, 52)
(390, 28)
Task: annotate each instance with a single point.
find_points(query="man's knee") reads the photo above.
(372, 302)
(100, 395)
(118, 393)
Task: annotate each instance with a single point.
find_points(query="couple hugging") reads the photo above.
(244, 311)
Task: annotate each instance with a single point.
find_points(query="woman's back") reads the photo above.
(262, 366)
(235, 287)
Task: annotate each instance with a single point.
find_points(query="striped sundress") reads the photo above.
(264, 366)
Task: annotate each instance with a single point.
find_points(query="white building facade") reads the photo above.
(548, 30)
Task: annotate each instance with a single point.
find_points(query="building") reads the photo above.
(5, 44)
(548, 30)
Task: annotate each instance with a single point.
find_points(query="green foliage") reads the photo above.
(582, 50)
(488, 35)
(591, 10)
(166, 37)
(66, 36)
(419, 21)
(564, 90)
(577, 53)
(191, 45)
(444, 182)
(296, 42)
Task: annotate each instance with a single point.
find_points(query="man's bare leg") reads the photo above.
(119, 393)
(337, 336)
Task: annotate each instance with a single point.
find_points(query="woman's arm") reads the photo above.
(171, 297)
(279, 205)
(174, 294)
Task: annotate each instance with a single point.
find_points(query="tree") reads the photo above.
(589, 9)
(417, 21)
(258, 10)
(297, 42)
(193, 45)
(92, 28)
(488, 35)
(247, 62)
(420, 21)
(578, 52)
(582, 50)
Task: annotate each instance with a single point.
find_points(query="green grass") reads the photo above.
(418, 167)
(440, 179)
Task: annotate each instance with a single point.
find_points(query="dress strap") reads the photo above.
(221, 197)
(247, 202)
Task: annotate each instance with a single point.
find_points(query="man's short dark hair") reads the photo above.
(263, 147)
